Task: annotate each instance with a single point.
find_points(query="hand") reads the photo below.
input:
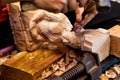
(79, 6)
(87, 6)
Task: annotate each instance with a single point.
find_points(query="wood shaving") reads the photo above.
(72, 64)
(3, 59)
(55, 67)
(58, 68)
(111, 74)
(6, 56)
(58, 73)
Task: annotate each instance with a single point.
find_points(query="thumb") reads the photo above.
(79, 11)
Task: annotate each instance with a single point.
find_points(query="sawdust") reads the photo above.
(4, 57)
(113, 73)
(61, 66)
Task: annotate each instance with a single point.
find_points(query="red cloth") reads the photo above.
(3, 13)
(0, 2)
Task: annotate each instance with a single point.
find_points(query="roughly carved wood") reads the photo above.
(41, 25)
(96, 41)
(115, 40)
(31, 27)
(28, 65)
(17, 26)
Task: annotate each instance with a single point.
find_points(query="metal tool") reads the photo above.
(86, 69)
(89, 66)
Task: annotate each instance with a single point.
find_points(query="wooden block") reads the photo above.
(96, 41)
(28, 65)
(115, 40)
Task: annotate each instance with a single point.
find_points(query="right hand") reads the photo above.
(57, 5)
(87, 6)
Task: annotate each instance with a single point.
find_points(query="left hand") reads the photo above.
(87, 6)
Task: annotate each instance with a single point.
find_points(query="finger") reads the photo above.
(55, 6)
(60, 5)
(88, 17)
(79, 11)
(77, 27)
(50, 5)
(72, 5)
(82, 3)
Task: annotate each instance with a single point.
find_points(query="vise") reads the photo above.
(88, 68)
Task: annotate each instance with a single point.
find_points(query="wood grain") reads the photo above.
(28, 65)
(115, 40)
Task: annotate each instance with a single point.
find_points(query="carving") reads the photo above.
(40, 27)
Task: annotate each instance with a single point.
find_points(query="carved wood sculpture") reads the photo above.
(28, 30)
(28, 65)
(39, 26)
(36, 28)
(68, 37)
(115, 40)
